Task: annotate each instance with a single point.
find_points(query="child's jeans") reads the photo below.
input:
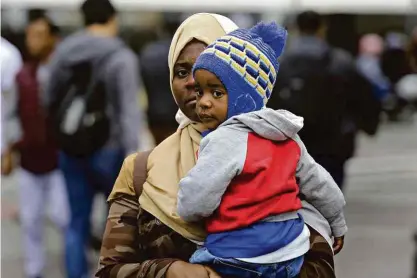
(232, 268)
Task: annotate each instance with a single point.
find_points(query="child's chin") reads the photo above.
(212, 124)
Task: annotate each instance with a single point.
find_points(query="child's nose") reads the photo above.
(205, 102)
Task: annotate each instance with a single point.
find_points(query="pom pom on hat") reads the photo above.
(272, 34)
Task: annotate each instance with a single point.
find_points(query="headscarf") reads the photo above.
(174, 157)
(204, 27)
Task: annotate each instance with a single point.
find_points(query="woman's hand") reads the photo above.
(180, 269)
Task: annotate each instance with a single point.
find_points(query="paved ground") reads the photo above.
(381, 212)
(382, 206)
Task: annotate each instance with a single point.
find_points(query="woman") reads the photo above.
(146, 238)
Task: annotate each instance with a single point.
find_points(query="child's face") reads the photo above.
(211, 99)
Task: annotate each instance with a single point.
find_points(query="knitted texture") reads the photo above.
(246, 62)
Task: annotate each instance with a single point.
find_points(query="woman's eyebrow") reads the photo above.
(182, 63)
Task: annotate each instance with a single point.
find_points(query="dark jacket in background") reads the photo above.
(394, 64)
(38, 151)
(349, 97)
(155, 74)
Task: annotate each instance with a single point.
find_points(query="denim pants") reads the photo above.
(232, 268)
(84, 177)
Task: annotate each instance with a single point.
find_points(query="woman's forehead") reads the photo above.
(190, 52)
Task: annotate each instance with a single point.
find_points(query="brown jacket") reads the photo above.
(136, 244)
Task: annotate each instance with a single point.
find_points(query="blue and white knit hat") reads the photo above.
(246, 62)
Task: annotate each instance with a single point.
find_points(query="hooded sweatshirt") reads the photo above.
(118, 69)
(251, 169)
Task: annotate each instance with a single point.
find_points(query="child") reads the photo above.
(250, 169)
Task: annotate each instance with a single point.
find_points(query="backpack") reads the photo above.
(307, 87)
(81, 120)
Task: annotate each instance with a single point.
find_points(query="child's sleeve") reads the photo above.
(319, 189)
(221, 157)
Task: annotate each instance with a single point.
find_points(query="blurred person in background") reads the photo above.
(143, 237)
(412, 53)
(369, 64)
(413, 88)
(395, 66)
(394, 57)
(406, 87)
(155, 74)
(321, 84)
(40, 180)
(11, 63)
(93, 94)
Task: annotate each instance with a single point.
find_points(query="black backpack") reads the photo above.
(307, 87)
(80, 115)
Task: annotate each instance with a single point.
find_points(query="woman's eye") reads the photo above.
(218, 94)
(182, 73)
(199, 92)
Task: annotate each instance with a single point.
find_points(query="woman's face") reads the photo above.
(183, 84)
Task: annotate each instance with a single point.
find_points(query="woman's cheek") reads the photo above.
(177, 92)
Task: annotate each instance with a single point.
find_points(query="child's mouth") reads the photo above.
(205, 117)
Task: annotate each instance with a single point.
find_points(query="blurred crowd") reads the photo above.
(73, 110)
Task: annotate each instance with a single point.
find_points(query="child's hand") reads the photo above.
(338, 244)
(7, 163)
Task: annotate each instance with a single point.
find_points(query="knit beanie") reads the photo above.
(246, 62)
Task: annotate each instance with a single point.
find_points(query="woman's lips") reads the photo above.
(191, 101)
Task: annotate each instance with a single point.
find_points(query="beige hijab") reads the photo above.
(174, 157)
(204, 27)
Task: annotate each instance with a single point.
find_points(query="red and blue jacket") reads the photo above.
(248, 177)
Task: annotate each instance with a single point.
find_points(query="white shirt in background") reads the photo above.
(11, 63)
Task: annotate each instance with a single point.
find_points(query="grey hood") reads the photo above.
(83, 47)
(276, 125)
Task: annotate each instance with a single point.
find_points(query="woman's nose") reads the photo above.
(190, 82)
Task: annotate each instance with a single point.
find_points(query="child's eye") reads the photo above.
(198, 92)
(218, 94)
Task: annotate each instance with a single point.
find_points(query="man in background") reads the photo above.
(40, 181)
(369, 64)
(395, 66)
(321, 84)
(94, 99)
(155, 74)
